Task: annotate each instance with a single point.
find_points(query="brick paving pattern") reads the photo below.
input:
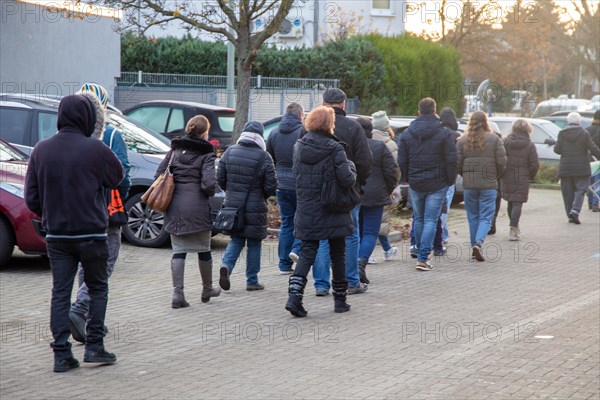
(524, 325)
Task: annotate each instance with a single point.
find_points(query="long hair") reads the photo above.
(478, 126)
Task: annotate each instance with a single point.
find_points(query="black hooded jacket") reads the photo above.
(350, 132)
(573, 145)
(280, 146)
(67, 175)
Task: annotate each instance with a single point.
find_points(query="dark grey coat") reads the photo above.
(384, 176)
(235, 176)
(312, 155)
(481, 169)
(521, 166)
(193, 169)
(573, 145)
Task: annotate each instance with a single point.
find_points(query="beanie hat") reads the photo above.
(380, 120)
(448, 118)
(97, 90)
(596, 120)
(366, 125)
(254, 127)
(334, 96)
(574, 118)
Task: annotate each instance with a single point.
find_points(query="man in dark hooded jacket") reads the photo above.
(280, 146)
(427, 159)
(65, 184)
(574, 171)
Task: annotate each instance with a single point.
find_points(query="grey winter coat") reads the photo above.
(193, 169)
(573, 145)
(235, 176)
(521, 166)
(384, 177)
(481, 169)
(312, 155)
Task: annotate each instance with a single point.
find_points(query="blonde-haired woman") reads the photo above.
(481, 162)
(521, 168)
(314, 155)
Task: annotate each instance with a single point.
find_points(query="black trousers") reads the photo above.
(337, 252)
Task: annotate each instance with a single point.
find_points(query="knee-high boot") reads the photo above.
(208, 290)
(177, 272)
(340, 290)
(296, 293)
(362, 270)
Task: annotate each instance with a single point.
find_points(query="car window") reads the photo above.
(505, 127)
(538, 135)
(137, 138)
(14, 124)
(46, 124)
(176, 121)
(226, 122)
(8, 154)
(153, 117)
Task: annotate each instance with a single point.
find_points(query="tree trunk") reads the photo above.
(242, 102)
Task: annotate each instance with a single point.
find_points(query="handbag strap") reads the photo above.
(261, 161)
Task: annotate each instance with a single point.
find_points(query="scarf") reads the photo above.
(254, 138)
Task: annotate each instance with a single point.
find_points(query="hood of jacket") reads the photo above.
(572, 133)
(79, 113)
(315, 146)
(197, 145)
(517, 140)
(289, 124)
(424, 127)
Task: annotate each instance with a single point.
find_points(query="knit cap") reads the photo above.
(380, 120)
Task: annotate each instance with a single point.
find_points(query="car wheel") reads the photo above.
(145, 227)
(7, 241)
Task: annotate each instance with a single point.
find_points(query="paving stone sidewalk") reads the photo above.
(523, 325)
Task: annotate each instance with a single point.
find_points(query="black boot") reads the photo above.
(340, 290)
(362, 270)
(296, 293)
(492, 230)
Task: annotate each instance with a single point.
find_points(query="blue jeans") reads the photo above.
(370, 223)
(384, 242)
(321, 265)
(232, 253)
(427, 207)
(449, 197)
(480, 205)
(287, 243)
(64, 257)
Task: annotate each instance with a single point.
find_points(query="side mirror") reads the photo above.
(550, 142)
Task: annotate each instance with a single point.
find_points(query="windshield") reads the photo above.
(9, 154)
(139, 139)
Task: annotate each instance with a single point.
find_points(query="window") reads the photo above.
(136, 138)
(46, 125)
(153, 117)
(226, 122)
(176, 121)
(538, 135)
(13, 125)
(382, 7)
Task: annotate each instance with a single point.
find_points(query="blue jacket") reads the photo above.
(120, 149)
(427, 155)
(280, 145)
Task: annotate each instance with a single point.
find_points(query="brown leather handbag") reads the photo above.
(159, 195)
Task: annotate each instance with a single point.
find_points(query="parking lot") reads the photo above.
(524, 325)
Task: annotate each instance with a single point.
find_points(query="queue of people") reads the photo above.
(334, 177)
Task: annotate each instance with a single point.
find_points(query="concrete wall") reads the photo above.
(49, 53)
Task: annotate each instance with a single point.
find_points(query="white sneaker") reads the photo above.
(372, 260)
(294, 257)
(388, 255)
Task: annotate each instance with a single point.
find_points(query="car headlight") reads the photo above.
(13, 188)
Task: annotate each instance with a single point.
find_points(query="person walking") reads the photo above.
(481, 162)
(574, 170)
(111, 137)
(427, 159)
(188, 218)
(357, 150)
(383, 132)
(314, 155)
(247, 175)
(65, 183)
(375, 195)
(448, 120)
(594, 130)
(521, 167)
(280, 146)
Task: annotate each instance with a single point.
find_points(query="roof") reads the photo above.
(187, 103)
(77, 7)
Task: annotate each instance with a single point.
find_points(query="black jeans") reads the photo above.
(337, 253)
(514, 212)
(64, 258)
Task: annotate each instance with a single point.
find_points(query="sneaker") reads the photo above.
(65, 364)
(252, 288)
(224, 278)
(478, 252)
(372, 260)
(286, 272)
(77, 325)
(100, 356)
(322, 292)
(414, 252)
(440, 253)
(595, 209)
(388, 255)
(424, 266)
(358, 289)
(574, 218)
(294, 257)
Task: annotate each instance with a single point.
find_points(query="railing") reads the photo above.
(217, 81)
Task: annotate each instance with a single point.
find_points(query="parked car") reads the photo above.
(169, 117)
(544, 135)
(560, 118)
(26, 120)
(19, 227)
(550, 106)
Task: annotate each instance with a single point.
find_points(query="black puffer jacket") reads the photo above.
(350, 132)
(193, 169)
(594, 131)
(521, 166)
(312, 155)
(573, 145)
(280, 146)
(384, 176)
(235, 176)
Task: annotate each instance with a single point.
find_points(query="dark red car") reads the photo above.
(18, 225)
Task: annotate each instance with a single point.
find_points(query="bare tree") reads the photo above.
(584, 25)
(232, 20)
